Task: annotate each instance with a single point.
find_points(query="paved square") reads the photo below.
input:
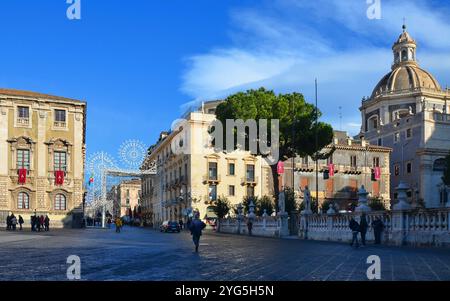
(144, 254)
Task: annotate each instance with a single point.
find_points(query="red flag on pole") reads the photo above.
(377, 173)
(59, 177)
(280, 167)
(331, 169)
(22, 176)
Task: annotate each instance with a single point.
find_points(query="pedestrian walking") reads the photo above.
(13, 222)
(354, 226)
(196, 227)
(42, 222)
(180, 222)
(378, 228)
(250, 227)
(8, 222)
(118, 223)
(33, 223)
(47, 223)
(363, 225)
(21, 222)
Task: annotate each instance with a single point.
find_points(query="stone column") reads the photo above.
(399, 216)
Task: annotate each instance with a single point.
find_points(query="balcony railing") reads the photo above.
(59, 124)
(211, 178)
(249, 180)
(23, 121)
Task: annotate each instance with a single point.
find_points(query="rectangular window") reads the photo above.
(60, 118)
(330, 160)
(250, 173)
(376, 162)
(212, 192)
(231, 190)
(60, 161)
(231, 169)
(250, 191)
(408, 133)
(396, 137)
(408, 167)
(396, 170)
(353, 161)
(23, 115)
(23, 159)
(380, 142)
(212, 171)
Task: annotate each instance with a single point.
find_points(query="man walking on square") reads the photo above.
(196, 228)
(363, 228)
(354, 226)
(21, 221)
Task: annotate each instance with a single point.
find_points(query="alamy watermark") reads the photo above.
(239, 135)
(74, 269)
(74, 10)
(374, 270)
(374, 10)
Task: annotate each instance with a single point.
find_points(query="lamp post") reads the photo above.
(317, 146)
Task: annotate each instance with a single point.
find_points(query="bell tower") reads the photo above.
(404, 50)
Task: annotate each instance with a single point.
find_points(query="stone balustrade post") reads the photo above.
(264, 219)
(400, 215)
(362, 201)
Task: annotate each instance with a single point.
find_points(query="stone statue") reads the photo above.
(410, 110)
(281, 202)
(424, 104)
(306, 200)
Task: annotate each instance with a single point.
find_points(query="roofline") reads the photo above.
(37, 95)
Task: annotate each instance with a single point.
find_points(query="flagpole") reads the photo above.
(317, 146)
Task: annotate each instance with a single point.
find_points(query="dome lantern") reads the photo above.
(404, 49)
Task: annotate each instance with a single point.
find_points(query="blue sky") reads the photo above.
(138, 63)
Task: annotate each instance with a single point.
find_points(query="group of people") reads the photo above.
(40, 223)
(12, 221)
(362, 227)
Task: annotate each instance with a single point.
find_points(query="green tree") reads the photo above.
(446, 177)
(290, 203)
(246, 203)
(377, 204)
(222, 207)
(294, 115)
(267, 203)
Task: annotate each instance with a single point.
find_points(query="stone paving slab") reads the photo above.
(144, 254)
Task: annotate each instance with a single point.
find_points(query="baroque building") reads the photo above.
(196, 178)
(350, 165)
(42, 156)
(125, 197)
(408, 112)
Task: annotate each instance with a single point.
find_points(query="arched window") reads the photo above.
(404, 55)
(439, 164)
(23, 201)
(60, 202)
(373, 122)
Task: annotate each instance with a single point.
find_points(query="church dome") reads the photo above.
(406, 78)
(406, 75)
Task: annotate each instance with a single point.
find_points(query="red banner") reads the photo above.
(59, 177)
(280, 167)
(22, 176)
(331, 170)
(377, 173)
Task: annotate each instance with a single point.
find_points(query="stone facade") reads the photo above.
(41, 134)
(341, 188)
(125, 196)
(408, 112)
(194, 179)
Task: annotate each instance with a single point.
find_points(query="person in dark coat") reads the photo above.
(33, 223)
(8, 222)
(196, 227)
(354, 226)
(21, 222)
(363, 225)
(37, 220)
(180, 222)
(250, 227)
(13, 222)
(378, 228)
(47, 223)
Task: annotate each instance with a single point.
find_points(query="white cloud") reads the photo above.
(286, 44)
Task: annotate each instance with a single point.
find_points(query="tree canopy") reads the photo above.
(295, 115)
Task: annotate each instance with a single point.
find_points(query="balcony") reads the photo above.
(60, 124)
(211, 179)
(23, 121)
(249, 181)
